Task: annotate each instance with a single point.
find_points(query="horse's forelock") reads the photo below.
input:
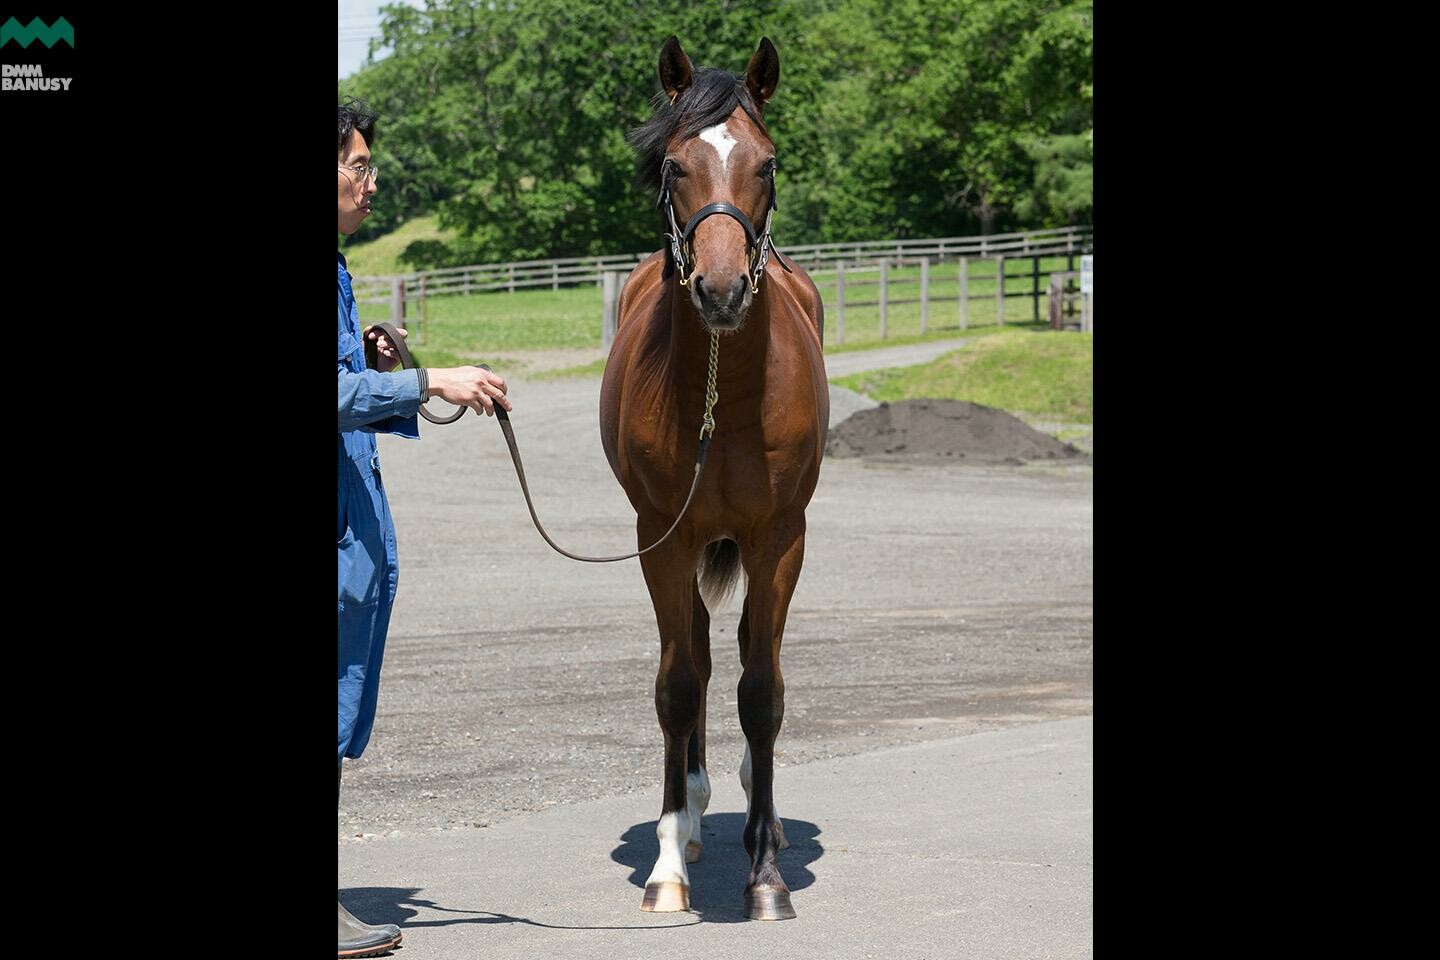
(711, 98)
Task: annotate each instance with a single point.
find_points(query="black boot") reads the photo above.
(359, 939)
(365, 940)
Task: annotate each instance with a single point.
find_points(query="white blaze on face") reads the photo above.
(719, 138)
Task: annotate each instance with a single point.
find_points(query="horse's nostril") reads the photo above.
(737, 292)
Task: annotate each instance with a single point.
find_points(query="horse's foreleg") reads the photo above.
(743, 634)
(697, 781)
(775, 568)
(670, 573)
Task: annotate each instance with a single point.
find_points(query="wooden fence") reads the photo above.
(846, 265)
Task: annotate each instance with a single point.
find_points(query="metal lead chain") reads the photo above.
(708, 427)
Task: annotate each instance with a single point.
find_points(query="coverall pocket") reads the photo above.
(347, 347)
(359, 571)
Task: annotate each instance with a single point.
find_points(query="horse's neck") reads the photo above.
(742, 354)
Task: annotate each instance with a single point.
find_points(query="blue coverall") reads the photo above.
(370, 402)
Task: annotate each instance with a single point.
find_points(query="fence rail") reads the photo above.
(570, 271)
(839, 264)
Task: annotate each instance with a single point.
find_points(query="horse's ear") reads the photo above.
(674, 69)
(763, 74)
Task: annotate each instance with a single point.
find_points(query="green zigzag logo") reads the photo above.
(37, 30)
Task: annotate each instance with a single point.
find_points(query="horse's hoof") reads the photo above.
(768, 903)
(692, 851)
(667, 897)
(780, 840)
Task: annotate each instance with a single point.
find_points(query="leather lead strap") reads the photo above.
(372, 355)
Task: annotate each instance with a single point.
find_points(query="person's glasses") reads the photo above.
(362, 171)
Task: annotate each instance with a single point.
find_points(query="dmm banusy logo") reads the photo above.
(37, 29)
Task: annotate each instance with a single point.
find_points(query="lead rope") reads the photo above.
(706, 429)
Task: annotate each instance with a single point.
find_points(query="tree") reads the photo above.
(892, 118)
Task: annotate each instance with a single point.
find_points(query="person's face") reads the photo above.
(355, 191)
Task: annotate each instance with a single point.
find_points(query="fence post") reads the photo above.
(884, 297)
(609, 281)
(1035, 289)
(397, 301)
(1000, 289)
(512, 278)
(840, 300)
(424, 312)
(925, 295)
(466, 275)
(554, 276)
(964, 293)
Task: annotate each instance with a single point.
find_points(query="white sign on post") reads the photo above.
(1087, 274)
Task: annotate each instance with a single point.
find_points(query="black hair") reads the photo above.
(356, 115)
(711, 98)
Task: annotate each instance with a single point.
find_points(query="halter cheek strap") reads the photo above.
(681, 247)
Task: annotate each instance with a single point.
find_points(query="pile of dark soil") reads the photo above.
(932, 429)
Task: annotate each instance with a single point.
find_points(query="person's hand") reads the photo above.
(386, 358)
(471, 387)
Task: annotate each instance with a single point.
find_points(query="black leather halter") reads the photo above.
(681, 250)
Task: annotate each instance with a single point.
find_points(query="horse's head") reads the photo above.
(708, 152)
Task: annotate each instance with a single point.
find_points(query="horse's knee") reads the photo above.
(677, 698)
(761, 698)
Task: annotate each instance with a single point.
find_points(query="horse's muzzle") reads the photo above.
(722, 304)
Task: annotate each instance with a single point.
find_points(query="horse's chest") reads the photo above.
(759, 472)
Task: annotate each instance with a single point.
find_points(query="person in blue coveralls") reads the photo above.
(371, 402)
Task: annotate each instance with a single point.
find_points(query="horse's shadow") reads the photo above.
(398, 905)
(717, 881)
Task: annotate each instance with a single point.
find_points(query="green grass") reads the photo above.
(902, 322)
(1037, 371)
(540, 319)
(482, 323)
(935, 333)
(1021, 367)
(381, 256)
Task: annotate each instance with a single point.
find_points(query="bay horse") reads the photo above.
(708, 153)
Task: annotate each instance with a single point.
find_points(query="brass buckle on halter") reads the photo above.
(759, 267)
(686, 252)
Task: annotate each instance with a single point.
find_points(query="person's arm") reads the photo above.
(380, 402)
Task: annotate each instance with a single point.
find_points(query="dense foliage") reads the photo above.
(893, 118)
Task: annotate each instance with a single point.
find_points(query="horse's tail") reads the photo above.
(720, 570)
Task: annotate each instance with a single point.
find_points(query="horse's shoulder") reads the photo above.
(801, 291)
(647, 270)
(643, 281)
(649, 265)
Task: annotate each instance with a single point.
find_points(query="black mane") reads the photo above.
(711, 98)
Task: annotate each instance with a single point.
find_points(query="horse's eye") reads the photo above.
(675, 171)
